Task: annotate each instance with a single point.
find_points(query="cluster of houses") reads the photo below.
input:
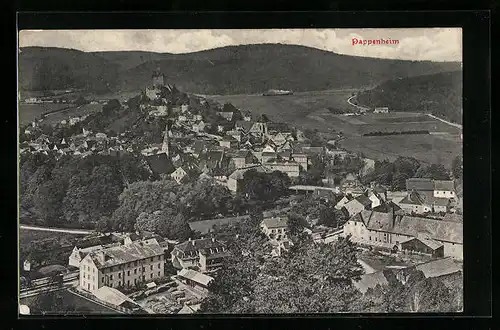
(81, 145)
(189, 152)
(408, 222)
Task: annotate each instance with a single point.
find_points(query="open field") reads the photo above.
(289, 108)
(309, 110)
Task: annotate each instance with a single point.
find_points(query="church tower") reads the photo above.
(165, 147)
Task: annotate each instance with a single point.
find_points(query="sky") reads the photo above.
(433, 44)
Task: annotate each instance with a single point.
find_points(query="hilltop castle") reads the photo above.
(158, 82)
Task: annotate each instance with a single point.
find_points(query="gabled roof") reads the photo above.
(413, 198)
(447, 185)
(275, 222)
(195, 276)
(238, 174)
(198, 244)
(160, 164)
(419, 184)
(118, 255)
(112, 296)
(436, 229)
(364, 200)
(245, 125)
(378, 220)
(438, 267)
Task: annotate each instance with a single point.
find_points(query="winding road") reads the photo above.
(445, 121)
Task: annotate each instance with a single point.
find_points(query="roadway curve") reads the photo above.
(355, 105)
(58, 230)
(445, 121)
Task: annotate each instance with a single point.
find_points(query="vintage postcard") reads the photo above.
(240, 171)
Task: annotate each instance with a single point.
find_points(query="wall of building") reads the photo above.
(444, 194)
(454, 250)
(292, 170)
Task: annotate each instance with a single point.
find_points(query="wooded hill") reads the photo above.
(439, 94)
(227, 70)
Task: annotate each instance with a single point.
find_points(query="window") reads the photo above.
(135, 281)
(159, 266)
(128, 282)
(370, 238)
(128, 272)
(111, 277)
(143, 277)
(158, 274)
(93, 287)
(152, 258)
(102, 279)
(119, 275)
(93, 278)
(93, 270)
(135, 271)
(143, 268)
(88, 286)
(119, 283)
(151, 275)
(151, 267)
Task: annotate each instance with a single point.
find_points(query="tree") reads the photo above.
(310, 278)
(327, 216)
(296, 224)
(104, 225)
(433, 171)
(457, 167)
(111, 106)
(48, 202)
(265, 187)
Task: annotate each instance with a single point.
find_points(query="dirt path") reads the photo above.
(59, 230)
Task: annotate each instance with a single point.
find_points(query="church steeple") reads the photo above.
(166, 141)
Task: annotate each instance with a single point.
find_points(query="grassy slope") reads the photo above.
(226, 70)
(439, 94)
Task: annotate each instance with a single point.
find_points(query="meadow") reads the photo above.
(310, 110)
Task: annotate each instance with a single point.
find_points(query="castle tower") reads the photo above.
(165, 147)
(158, 78)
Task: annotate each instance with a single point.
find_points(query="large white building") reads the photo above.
(122, 266)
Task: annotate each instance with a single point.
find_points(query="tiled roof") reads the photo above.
(419, 184)
(432, 244)
(112, 296)
(436, 229)
(160, 164)
(198, 244)
(364, 200)
(126, 253)
(238, 174)
(413, 198)
(378, 220)
(275, 222)
(246, 125)
(195, 276)
(438, 267)
(444, 185)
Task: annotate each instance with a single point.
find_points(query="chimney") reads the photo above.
(189, 238)
(213, 239)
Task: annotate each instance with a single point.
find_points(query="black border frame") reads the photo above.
(477, 144)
